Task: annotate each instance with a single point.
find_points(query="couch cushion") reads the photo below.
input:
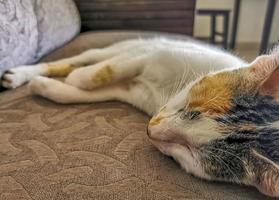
(32, 28)
(90, 151)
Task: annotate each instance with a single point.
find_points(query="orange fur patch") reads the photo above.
(103, 76)
(213, 94)
(156, 120)
(60, 70)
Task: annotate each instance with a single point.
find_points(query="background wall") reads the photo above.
(251, 19)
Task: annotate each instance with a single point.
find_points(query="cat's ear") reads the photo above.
(264, 72)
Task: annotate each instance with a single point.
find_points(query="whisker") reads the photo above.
(224, 151)
(219, 159)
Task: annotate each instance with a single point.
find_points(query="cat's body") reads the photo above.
(215, 114)
(156, 65)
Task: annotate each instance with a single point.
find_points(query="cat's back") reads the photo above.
(193, 52)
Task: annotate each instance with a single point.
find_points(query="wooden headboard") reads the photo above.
(176, 16)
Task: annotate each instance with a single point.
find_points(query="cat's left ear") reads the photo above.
(264, 72)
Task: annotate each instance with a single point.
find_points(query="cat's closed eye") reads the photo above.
(192, 115)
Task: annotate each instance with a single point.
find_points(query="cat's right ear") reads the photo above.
(264, 73)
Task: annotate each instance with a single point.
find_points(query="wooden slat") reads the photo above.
(188, 30)
(138, 23)
(158, 15)
(133, 2)
(137, 15)
(130, 1)
(180, 30)
(135, 5)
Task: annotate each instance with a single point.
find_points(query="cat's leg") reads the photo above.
(63, 93)
(130, 91)
(120, 67)
(18, 76)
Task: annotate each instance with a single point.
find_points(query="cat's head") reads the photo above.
(225, 125)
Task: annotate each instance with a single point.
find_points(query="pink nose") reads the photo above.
(149, 130)
(155, 131)
(154, 126)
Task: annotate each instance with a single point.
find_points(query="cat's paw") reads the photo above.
(16, 77)
(39, 85)
(13, 78)
(51, 89)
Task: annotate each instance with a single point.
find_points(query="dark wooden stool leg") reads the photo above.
(225, 30)
(267, 25)
(235, 23)
(213, 28)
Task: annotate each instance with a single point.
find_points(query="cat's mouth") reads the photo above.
(169, 147)
(170, 137)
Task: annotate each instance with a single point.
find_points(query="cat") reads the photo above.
(214, 113)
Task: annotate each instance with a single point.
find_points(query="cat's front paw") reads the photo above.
(14, 78)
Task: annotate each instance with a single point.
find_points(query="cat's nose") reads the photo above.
(149, 131)
(156, 127)
(153, 131)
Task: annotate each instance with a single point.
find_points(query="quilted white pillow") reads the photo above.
(30, 29)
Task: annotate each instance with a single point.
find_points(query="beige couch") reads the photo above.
(90, 151)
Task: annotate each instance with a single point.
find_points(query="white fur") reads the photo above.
(188, 158)
(17, 76)
(155, 63)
